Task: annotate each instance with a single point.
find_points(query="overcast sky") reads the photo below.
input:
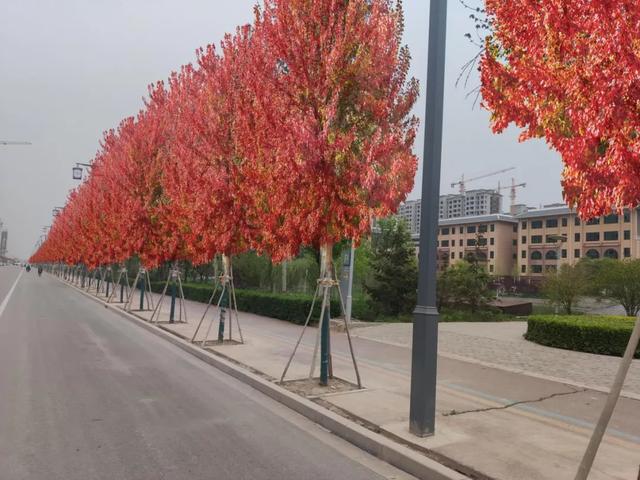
(71, 69)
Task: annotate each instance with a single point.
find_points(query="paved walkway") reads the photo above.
(502, 344)
(503, 424)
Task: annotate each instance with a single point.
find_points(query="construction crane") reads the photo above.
(463, 182)
(513, 188)
(8, 142)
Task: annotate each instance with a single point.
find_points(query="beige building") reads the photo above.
(489, 239)
(549, 237)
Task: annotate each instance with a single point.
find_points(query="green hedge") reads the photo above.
(605, 335)
(292, 307)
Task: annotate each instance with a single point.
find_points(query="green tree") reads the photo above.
(565, 287)
(618, 280)
(394, 271)
(464, 284)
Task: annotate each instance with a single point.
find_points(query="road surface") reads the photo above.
(85, 395)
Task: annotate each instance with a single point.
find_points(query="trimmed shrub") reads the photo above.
(605, 335)
(292, 307)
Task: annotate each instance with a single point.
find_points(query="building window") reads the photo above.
(577, 237)
(593, 254)
(551, 255)
(536, 268)
(482, 229)
(482, 241)
(453, 230)
(515, 228)
(514, 242)
(564, 253)
(524, 254)
(492, 241)
(536, 255)
(610, 236)
(564, 221)
(536, 224)
(627, 216)
(490, 268)
(550, 239)
(471, 229)
(627, 253)
(524, 225)
(576, 253)
(493, 227)
(594, 221)
(550, 268)
(471, 242)
(593, 236)
(627, 234)
(536, 239)
(576, 222)
(610, 219)
(445, 243)
(524, 240)
(453, 255)
(444, 231)
(491, 254)
(460, 255)
(523, 269)
(611, 253)
(552, 223)
(461, 230)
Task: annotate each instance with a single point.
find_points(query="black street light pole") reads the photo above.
(424, 356)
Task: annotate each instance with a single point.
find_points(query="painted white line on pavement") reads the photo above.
(4, 303)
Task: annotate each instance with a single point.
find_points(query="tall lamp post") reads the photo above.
(424, 355)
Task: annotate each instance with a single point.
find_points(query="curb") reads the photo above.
(401, 457)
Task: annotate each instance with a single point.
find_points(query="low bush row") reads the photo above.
(292, 307)
(605, 335)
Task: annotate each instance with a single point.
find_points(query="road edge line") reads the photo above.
(400, 456)
(5, 302)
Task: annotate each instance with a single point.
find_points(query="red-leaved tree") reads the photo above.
(569, 72)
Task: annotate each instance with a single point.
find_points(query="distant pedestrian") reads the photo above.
(39, 270)
(28, 268)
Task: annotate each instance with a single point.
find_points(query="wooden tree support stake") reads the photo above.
(328, 280)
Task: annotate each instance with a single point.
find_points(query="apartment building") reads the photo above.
(470, 203)
(488, 239)
(4, 234)
(551, 236)
(410, 212)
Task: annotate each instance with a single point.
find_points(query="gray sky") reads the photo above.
(73, 68)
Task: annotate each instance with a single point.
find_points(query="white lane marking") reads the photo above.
(6, 299)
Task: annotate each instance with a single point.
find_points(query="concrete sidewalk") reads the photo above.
(491, 421)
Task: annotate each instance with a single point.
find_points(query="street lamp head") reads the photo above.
(77, 173)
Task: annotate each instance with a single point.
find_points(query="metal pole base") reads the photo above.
(424, 366)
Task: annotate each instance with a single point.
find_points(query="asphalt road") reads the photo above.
(85, 395)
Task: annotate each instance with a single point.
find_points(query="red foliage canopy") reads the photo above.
(569, 71)
(297, 133)
(336, 73)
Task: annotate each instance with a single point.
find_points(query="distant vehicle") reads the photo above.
(28, 268)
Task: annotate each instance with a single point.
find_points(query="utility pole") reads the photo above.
(424, 354)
